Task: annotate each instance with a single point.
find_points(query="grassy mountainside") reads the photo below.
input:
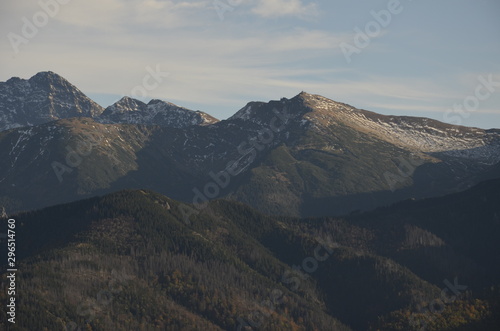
(339, 159)
(304, 156)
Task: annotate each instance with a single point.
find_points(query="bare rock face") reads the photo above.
(156, 112)
(48, 97)
(43, 98)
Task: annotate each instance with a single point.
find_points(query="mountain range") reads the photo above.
(47, 97)
(304, 156)
(295, 214)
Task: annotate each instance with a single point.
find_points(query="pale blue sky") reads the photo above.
(427, 58)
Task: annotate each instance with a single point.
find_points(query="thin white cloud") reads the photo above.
(131, 15)
(105, 47)
(219, 64)
(279, 8)
(411, 108)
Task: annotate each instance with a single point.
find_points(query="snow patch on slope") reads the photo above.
(419, 134)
